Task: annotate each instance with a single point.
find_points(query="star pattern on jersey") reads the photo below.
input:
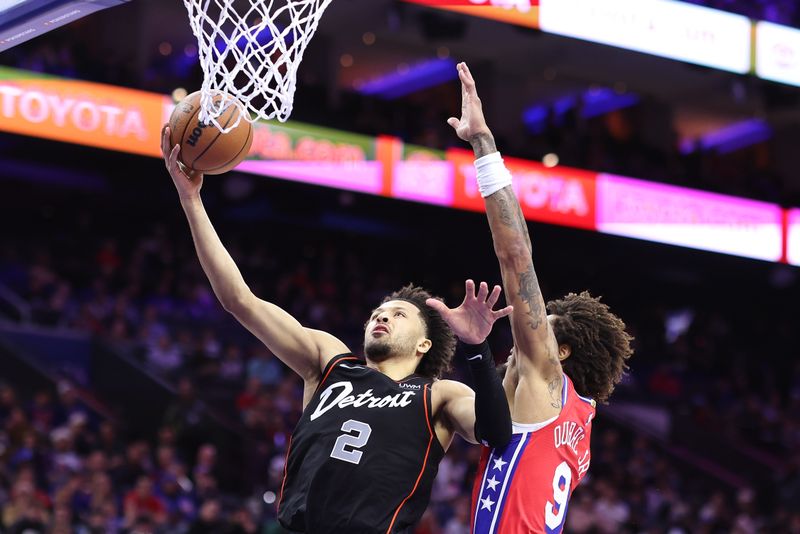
(487, 503)
(492, 483)
(499, 463)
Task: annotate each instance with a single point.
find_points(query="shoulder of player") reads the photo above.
(328, 347)
(447, 390)
(542, 364)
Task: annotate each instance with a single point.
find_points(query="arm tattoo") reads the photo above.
(554, 389)
(508, 207)
(530, 293)
(510, 213)
(482, 145)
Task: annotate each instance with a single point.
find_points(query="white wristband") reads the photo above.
(491, 174)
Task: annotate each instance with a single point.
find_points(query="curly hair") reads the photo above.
(437, 360)
(600, 345)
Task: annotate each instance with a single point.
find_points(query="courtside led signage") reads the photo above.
(793, 237)
(778, 53)
(664, 28)
(122, 119)
(689, 218)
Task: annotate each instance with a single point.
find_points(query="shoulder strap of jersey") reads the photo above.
(336, 360)
(573, 393)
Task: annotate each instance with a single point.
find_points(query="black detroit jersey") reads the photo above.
(363, 457)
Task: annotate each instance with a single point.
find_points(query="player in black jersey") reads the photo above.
(364, 454)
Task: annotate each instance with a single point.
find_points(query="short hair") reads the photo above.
(438, 359)
(599, 343)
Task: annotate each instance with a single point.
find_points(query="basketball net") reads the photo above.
(250, 50)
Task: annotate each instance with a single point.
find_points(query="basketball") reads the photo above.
(203, 147)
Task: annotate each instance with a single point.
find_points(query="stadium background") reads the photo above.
(130, 402)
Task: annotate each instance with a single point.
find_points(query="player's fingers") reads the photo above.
(173, 158)
(493, 296)
(462, 77)
(462, 72)
(466, 77)
(438, 306)
(468, 74)
(454, 122)
(469, 289)
(467, 81)
(483, 292)
(165, 140)
(504, 312)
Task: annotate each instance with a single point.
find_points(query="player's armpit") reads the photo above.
(304, 350)
(460, 411)
(458, 408)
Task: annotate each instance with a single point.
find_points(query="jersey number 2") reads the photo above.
(554, 511)
(347, 445)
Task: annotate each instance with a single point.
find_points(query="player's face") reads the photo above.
(394, 328)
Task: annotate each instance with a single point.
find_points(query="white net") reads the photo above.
(250, 49)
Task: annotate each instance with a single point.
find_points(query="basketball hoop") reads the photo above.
(250, 50)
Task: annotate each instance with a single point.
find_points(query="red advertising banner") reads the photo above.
(558, 195)
(520, 12)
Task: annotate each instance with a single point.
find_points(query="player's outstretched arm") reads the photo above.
(480, 415)
(534, 340)
(305, 350)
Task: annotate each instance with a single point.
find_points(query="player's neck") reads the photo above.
(396, 368)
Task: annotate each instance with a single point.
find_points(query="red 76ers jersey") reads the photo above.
(525, 487)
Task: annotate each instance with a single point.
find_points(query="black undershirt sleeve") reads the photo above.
(492, 415)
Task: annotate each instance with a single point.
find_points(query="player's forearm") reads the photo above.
(483, 145)
(226, 280)
(512, 243)
(509, 230)
(492, 415)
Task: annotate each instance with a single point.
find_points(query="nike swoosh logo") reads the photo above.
(478, 357)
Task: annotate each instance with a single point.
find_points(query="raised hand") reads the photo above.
(189, 183)
(472, 321)
(472, 123)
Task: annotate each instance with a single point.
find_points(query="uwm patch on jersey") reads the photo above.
(525, 487)
(363, 457)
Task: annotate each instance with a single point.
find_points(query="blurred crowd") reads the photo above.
(65, 471)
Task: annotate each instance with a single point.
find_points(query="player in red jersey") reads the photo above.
(561, 364)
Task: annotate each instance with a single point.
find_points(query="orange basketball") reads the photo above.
(203, 147)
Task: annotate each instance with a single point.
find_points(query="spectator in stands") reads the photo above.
(185, 416)
(142, 502)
